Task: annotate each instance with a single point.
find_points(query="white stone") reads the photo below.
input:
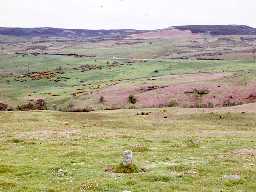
(127, 158)
(232, 177)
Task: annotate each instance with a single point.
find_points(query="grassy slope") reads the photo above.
(144, 49)
(16, 92)
(185, 152)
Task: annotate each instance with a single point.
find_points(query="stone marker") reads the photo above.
(127, 158)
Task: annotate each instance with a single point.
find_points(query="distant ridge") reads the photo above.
(219, 29)
(47, 32)
(67, 33)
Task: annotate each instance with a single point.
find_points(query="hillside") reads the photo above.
(84, 70)
(66, 33)
(219, 29)
(73, 101)
(47, 32)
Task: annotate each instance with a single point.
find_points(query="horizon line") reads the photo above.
(145, 29)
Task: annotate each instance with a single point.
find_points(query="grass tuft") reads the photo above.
(140, 148)
(7, 185)
(157, 178)
(191, 142)
(126, 169)
(6, 169)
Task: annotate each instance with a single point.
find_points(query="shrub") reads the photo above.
(26, 107)
(3, 106)
(201, 92)
(229, 103)
(132, 99)
(210, 105)
(126, 169)
(85, 109)
(73, 108)
(173, 103)
(38, 104)
(102, 99)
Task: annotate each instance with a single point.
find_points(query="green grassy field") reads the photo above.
(178, 149)
(187, 151)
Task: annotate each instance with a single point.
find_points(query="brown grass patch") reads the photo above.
(245, 152)
(49, 134)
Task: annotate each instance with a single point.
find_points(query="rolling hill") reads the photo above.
(220, 29)
(47, 32)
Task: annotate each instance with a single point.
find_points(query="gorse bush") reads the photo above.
(102, 99)
(173, 103)
(126, 169)
(132, 99)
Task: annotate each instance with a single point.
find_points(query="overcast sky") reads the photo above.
(139, 14)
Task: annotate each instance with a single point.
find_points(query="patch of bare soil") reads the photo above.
(163, 34)
(49, 134)
(245, 152)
